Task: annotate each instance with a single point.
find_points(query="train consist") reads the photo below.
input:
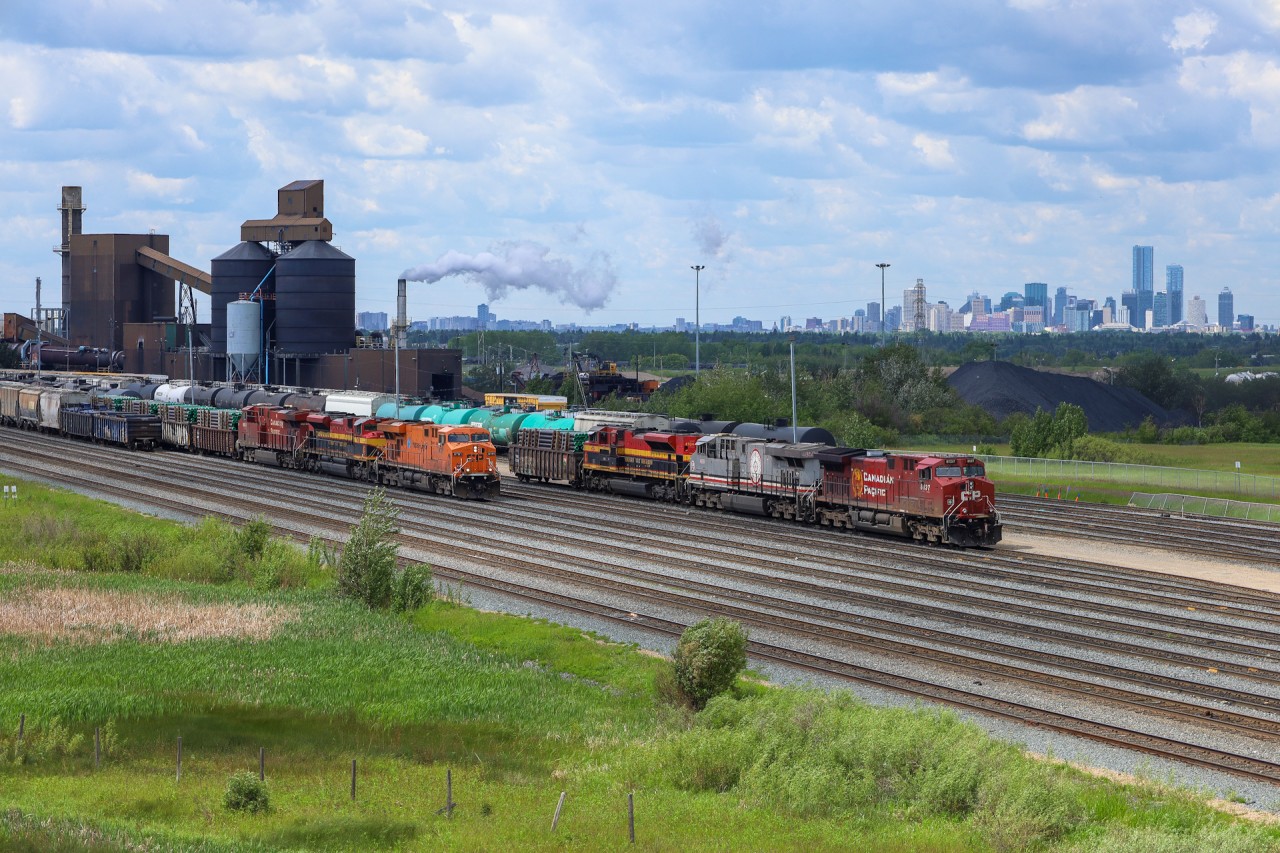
(745, 468)
(938, 499)
(449, 460)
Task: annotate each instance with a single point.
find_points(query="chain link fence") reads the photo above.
(1215, 507)
(1124, 474)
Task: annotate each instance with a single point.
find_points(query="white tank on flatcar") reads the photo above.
(173, 393)
(359, 403)
(588, 419)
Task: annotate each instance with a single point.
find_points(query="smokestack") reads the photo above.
(401, 331)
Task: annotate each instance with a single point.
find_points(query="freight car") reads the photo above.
(134, 431)
(937, 499)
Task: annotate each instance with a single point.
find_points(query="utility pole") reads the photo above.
(884, 309)
(697, 319)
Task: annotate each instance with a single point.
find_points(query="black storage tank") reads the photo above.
(315, 300)
(238, 270)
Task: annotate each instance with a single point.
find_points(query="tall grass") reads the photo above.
(72, 532)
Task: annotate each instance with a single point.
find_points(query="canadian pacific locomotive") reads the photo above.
(939, 499)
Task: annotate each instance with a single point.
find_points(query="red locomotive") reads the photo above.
(940, 499)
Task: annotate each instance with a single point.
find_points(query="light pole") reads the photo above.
(697, 320)
(884, 309)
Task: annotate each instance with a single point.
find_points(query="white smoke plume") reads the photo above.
(519, 266)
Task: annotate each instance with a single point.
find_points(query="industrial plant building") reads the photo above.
(282, 306)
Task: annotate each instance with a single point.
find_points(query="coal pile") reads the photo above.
(1001, 388)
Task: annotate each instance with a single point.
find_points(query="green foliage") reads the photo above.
(366, 569)
(246, 793)
(43, 742)
(1048, 436)
(708, 659)
(412, 588)
(1092, 448)
(9, 357)
(75, 533)
(252, 538)
(812, 754)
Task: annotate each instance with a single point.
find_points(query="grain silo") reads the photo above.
(315, 300)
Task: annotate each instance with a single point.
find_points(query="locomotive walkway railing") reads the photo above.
(1125, 474)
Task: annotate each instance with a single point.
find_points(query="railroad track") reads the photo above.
(783, 616)
(1211, 537)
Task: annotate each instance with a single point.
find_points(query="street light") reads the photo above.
(884, 309)
(697, 320)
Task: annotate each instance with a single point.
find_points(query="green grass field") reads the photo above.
(516, 709)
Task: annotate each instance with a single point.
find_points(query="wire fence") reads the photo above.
(1125, 474)
(1214, 507)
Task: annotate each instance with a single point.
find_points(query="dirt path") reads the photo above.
(1167, 562)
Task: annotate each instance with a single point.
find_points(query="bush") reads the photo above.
(708, 659)
(253, 537)
(246, 793)
(412, 588)
(366, 569)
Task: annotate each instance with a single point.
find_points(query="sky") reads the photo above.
(572, 161)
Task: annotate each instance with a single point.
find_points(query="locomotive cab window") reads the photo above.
(926, 474)
(949, 471)
(974, 471)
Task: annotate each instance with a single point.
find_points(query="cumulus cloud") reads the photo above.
(174, 189)
(1192, 31)
(519, 266)
(935, 152)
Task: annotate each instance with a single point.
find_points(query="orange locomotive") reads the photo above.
(447, 460)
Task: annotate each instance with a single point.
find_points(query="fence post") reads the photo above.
(353, 780)
(97, 747)
(556, 819)
(262, 764)
(22, 726)
(631, 816)
(179, 776)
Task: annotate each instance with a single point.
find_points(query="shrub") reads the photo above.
(246, 793)
(253, 537)
(708, 659)
(366, 568)
(412, 588)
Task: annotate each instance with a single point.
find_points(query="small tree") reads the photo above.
(708, 659)
(367, 566)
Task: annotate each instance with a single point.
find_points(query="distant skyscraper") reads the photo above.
(1173, 286)
(1197, 312)
(1245, 321)
(1143, 282)
(1160, 310)
(1226, 308)
(1059, 305)
(1130, 302)
(1035, 293)
(1143, 264)
(893, 319)
(483, 317)
(372, 321)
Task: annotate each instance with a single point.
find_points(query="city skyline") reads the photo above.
(571, 163)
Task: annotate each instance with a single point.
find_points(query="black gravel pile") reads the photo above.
(1002, 388)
